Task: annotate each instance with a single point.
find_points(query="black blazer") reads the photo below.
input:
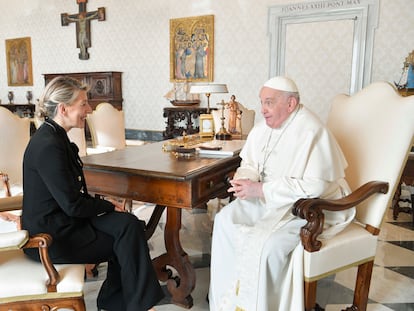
(56, 200)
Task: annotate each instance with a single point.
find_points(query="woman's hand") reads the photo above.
(119, 205)
(246, 189)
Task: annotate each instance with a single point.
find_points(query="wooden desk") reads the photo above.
(146, 173)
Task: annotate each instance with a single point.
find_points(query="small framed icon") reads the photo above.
(206, 125)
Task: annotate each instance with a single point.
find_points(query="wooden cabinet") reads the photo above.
(104, 86)
(407, 177)
(406, 92)
(22, 110)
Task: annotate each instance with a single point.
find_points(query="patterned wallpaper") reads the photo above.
(134, 39)
(321, 67)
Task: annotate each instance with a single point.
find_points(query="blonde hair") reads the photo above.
(60, 89)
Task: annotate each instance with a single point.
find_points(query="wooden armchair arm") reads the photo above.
(43, 241)
(11, 203)
(311, 210)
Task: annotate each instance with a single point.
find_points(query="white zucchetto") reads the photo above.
(282, 84)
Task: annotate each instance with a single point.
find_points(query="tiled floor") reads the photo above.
(392, 285)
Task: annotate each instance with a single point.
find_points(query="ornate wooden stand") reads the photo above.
(176, 115)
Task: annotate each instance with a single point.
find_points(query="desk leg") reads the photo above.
(153, 221)
(180, 286)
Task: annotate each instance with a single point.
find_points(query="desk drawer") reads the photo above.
(214, 184)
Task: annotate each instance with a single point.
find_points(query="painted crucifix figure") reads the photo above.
(83, 21)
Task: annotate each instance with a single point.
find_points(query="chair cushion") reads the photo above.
(16, 189)
(7, 226)
(352, 246)
(21, 277)
(13, 240)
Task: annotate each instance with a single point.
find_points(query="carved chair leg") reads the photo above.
(310, 295)
(362, 285)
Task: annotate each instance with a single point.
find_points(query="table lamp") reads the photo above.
(206, 120)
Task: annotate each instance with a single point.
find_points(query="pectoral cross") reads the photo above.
(83, 25)
(262, 175)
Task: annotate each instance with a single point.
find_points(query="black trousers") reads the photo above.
(131, 283)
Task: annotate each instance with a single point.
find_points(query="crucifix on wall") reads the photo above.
(83, 25)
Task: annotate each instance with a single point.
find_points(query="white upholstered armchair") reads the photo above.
(11, 158)
(29, 285)
(107, 127)
(78, 136)
(374, 128)
(12, 148)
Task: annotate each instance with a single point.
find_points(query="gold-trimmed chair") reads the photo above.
(12, 147)
(107, 127)
(78, 136)
(29, 285)
(374, 128)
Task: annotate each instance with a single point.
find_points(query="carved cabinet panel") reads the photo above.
(180, 119)
(104, 86)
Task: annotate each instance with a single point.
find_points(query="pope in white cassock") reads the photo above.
(256, 261)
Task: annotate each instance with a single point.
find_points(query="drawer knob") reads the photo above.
(210, 184)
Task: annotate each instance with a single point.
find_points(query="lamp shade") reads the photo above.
(208, 88)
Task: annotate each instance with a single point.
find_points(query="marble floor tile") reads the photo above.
(199, 294)
(394, 232)
(389, 254)
(387, 286)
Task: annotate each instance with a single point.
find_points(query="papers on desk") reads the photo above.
(98, 149)
(220, 148)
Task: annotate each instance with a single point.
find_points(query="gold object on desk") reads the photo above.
(185, 141)
(206, 125)
(222, 134)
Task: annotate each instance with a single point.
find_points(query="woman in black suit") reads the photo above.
(84, 229)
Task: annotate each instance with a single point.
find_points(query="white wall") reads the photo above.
(134, 39)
